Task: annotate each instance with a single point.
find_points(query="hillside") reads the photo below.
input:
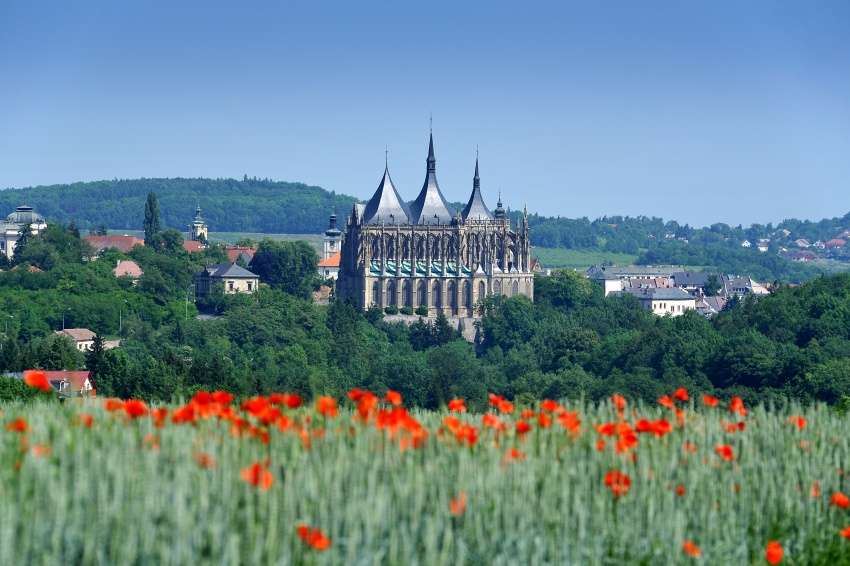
(228, 205)
(269, 207)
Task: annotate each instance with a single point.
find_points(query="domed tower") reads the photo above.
(332, 238)
(10, 230)
(198, 228)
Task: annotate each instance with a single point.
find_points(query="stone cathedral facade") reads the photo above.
(429, 254)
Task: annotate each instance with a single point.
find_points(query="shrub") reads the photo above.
(406, 310)
(422, 310)
(392, 309)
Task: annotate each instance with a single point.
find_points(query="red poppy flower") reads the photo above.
(457, 406)
(85, 419)
(495, 399)
(38, 379)
(725, 452)
(618, 482)
(839, 500)
(845, 533)
(327, 406)
(709, 401)
(41, 450)
(666, 401)
(18, 425)
(314, 538)
(691, 549)
(773, 554)
(513, 455)
(222, 397)
(523, 427)
(258, 475)
(492, 421)
(204, 460)
(799, 421)
(681, 394)
(815, 490)
(544, 420)
(505, 407)
(690, 447)
(135, 408)
(619, 401)
(680, 490)
(458, 504)
(393, 397)
(737, 405)
(551, 406)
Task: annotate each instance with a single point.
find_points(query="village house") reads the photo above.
(674, 302)
(233, 279)
(83, 338)
(123, 243)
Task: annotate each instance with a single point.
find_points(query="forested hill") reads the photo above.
(227, 205)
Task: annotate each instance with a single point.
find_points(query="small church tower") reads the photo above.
(198, 228)
(332, 238)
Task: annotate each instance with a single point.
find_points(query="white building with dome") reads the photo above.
(10, 229)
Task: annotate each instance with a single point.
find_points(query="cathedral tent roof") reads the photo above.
(386, 205)
(430, 207)
(475, 208)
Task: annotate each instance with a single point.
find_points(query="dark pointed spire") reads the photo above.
(500, 212)
(430, 207)
(386, 205)
(475, 208)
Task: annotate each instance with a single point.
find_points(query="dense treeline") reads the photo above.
(572, 341)
(227, 205)
(261, 205)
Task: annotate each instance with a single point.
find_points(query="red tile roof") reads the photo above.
(193, 246)
(233, 252)
(123, 243)
(332, 261)
(77, 379)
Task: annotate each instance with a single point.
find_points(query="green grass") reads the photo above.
(105, 496)
(554, 258)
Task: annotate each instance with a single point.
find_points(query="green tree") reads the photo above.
(152, 224)
(712, 285)
(94, 357)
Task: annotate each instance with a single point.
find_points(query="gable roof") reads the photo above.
(77, 379)
(123, 243)
(77, 334)
(228, 270)
(332, 261)
(233, 252)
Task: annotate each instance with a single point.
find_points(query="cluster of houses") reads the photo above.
(671, 290)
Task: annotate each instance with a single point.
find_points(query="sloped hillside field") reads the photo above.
(273, 481)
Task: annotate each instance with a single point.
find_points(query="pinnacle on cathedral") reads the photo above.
(430, 207)
(475, 208)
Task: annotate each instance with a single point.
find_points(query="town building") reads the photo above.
(674, 301)
(123, 243)
(10, 229)
(83, 338)
(331, 254)
(233, 279)
(428, 254)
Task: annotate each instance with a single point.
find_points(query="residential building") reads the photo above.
(128, 268)
(234, 279)
(673, 301)
(83, 338)
(123, 243)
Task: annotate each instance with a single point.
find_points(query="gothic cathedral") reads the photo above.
(430, 254)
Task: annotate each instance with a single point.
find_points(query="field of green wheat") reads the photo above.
(272, 481)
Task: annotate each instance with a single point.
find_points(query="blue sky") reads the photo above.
(695, 111)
